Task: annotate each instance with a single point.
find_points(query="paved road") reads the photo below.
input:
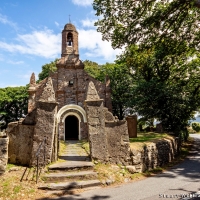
(181, 182)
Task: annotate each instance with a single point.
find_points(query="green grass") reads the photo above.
(85, 145)
(9, 166)
(148, 136)
(31, 191)
(17, 189)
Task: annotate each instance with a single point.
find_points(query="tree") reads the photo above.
(147, 22)
(14, 100)
(162, 44)
(120, 82)
(167, 83)
(46, 69)
(13, 104)
(93, 69)
(121, 86)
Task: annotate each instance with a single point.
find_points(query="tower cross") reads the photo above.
(69, 19)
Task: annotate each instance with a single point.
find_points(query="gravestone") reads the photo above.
(132, 125)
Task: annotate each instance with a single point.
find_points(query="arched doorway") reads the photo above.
(71, 127)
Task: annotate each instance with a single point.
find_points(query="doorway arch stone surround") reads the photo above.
(73, 110)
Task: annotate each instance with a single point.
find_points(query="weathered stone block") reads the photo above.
(3, 154)
(132, 126)
(131, 169)
(20, 143)
(44, 128)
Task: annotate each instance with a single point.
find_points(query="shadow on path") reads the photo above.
(76, 197)
(190, 168)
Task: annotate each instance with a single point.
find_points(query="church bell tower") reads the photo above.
(69, 40)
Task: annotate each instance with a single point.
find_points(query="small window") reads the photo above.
(71, 82)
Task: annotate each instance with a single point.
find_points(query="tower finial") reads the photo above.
(69, 19)
(32, 80)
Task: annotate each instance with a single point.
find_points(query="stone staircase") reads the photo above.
(75, 171)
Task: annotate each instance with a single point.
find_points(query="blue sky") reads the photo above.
(30, 36)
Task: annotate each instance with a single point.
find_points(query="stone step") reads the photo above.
(72, 176)
(70, 185)
(71, 157)
(71, 165)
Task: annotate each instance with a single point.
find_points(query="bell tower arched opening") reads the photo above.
(69, 39)
(71, 128)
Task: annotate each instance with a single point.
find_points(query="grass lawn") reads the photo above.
(144, 138)
(149, 136)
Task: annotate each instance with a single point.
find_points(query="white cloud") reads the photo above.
(26, 76)
(40, 43)
(91, 41)
(83, 2)
(9, 85)
(45, 43)
(88, 22)
(57, 24)
(4, 20)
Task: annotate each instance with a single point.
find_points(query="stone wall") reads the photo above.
(96, 131)
(118, 142)
(20, 143)
(153, 154)
(3, 154)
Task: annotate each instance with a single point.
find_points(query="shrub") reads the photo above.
(196, 126)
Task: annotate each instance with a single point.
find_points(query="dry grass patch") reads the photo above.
(62, 146)
(86, 146)
(12, 188)
(115, 173)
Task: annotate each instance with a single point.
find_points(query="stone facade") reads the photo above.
(153, 155)
(3, 154)
(52, 103)
(70, 83)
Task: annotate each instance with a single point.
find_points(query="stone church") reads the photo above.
(69, 105)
